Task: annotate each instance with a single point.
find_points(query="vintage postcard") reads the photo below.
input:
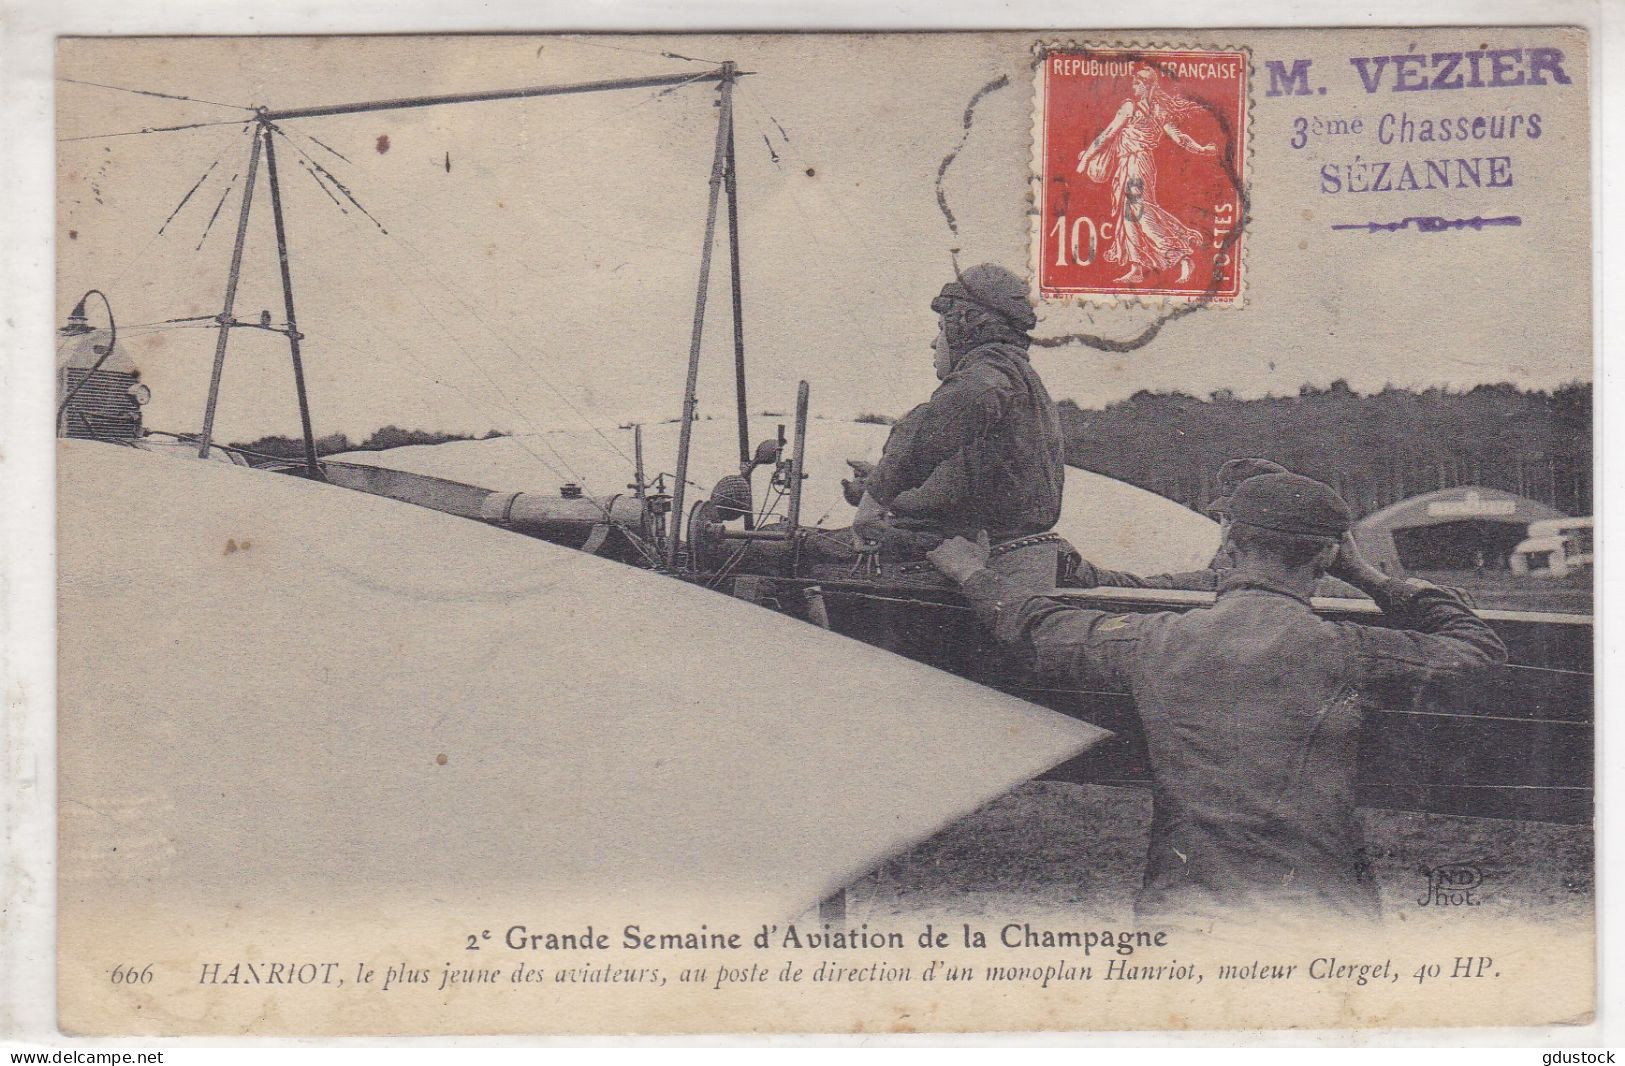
(810, 533)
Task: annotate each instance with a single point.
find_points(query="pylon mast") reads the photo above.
(262, 143)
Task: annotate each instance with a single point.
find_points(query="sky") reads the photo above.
(527, 265)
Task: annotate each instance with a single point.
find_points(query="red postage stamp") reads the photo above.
(1141, 183)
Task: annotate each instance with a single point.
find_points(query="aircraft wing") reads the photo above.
(271, 685)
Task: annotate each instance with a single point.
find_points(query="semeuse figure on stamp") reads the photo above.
(1251, 707)
(1148, 238)
(986, 451)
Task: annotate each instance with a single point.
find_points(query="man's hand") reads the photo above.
(960, 558)
(854, 487)
(1353, 567)
(869, 523)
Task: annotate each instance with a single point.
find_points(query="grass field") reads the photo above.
(1052, 847)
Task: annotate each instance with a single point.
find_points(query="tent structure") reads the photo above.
(1463, 528)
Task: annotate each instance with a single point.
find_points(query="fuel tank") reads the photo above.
(570, 521)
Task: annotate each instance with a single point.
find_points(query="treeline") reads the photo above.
(1375, 450)
(333, 443)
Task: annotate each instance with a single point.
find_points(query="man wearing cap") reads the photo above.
(1085, 574)
(1250, 707)
(1231, 474)
(985, 453)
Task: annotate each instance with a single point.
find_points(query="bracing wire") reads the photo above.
(210, 322)
(508, 402)
(328, 174)
(323, 186)
(142, 251)
(637, 542)
(568, 473)
(149, 92)
(520, 359)
(452, 290)
(632, 538)
(222, 203)
(187, 198)
(332, 150)
(330, 182)
(149, 129)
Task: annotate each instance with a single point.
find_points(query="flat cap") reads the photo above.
(1290, 503)
(1233, 473)
(992, 288)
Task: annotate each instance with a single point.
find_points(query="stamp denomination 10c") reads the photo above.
(1141, 187)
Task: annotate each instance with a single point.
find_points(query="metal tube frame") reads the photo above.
(731, 186)
(722, 168)
(702, 290)
(725, 73)
(798, 461)
(232, 274)
(294, 335)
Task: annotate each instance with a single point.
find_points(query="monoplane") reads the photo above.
(1518, 746)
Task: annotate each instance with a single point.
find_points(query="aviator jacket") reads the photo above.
(988, 442)
(1251, 712)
